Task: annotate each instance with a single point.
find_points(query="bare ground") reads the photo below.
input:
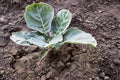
(101, 18)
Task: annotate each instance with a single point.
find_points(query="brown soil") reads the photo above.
(101, 18)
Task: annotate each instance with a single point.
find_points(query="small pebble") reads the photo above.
(49, 74)
(90, 78)
(43, 77)
(2, 71)
(106, 78)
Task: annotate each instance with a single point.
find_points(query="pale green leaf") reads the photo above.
(61, 21)
(20, 38)
(56, 39)
(58, 45)
(37, 40)
(28, 38)
(43, 54)
(74, 35)
(39, 16)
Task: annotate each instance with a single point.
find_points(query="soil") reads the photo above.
(101, 18)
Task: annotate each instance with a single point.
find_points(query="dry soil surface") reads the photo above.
(101, 18)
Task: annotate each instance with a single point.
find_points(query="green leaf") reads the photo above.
(20, 38)
(61, 21)
(37, 40)
(58, 45)
(39, 16)
(43, 54)
(56, 39)
(28, 38)
(74, 35)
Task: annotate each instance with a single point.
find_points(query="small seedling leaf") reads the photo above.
(56, 39)
(20, 38)
(37, 40)
(43, 54)
(28, 38)
(61, 21)
(39, 16)
(74, 35)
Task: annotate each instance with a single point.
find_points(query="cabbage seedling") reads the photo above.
(49, 31)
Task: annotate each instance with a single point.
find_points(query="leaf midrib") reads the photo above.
(44, 29)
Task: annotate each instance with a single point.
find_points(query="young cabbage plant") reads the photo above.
(49, 31)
